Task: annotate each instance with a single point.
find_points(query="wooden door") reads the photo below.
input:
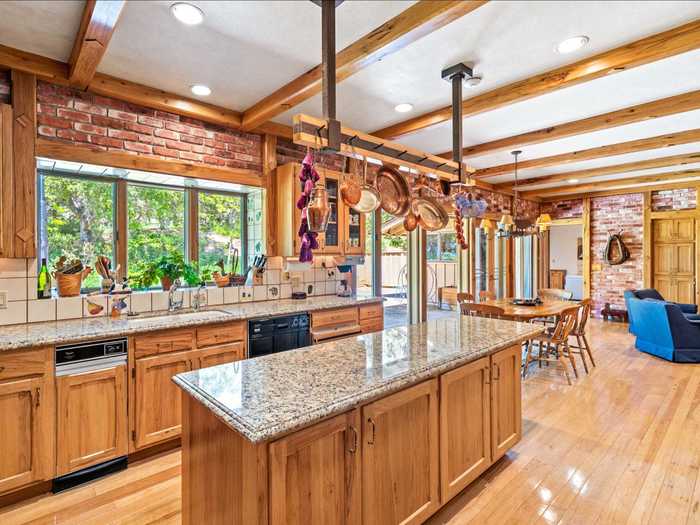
(465, 420)
(219, 355)
(400, 455)
(674, 259)
(506, 416)
(685, 273)
(158, 404)
(25, 432)
(315, 474)
(92, 418)
(684, 229)
(664, 230)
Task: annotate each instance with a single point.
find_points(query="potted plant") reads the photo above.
(167, 269)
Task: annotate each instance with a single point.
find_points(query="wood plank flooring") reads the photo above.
(622, 445)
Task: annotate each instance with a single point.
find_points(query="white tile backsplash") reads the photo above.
(273, 292)
(272, 277)
(15, 287)
(259, 293)
(246, 294)
(159, 301)
(286, 291)
(41, 310)
(13, 268)
(95, 306)
(140, 302)
(215, 296)
(32, 268)
(69, 307)
(15, 313)
(231, 295)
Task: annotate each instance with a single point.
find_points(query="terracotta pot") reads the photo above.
(166, 283)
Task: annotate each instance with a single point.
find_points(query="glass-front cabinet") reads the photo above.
(345, 234)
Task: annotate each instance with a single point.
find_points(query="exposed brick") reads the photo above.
(139, 128)
(176, 126)
(73, 135)
(90, 108)
(165, 152)
(186, 155)
(73, 115)
(107, 141)
(108, 122)
(124, 135)
(138, 147)
(46, 131)
(166, 134)
(192, 140)
(167, 116)
(150, 121)
(91, 129)
(174, 144)
(122, 115)
(45, 109)
(214, 160)
(54, 122)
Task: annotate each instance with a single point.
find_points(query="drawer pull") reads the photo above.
(353, 449)
(370, 421)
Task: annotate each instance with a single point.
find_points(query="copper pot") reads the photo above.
(410, 221)
(318, 210)
(350, 191)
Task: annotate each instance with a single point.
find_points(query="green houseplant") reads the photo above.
(167, 269)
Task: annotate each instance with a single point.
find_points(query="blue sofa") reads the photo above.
(663, 330)
(689, 310)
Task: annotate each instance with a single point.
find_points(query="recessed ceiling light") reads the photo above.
(403, 108)
(187, 13)
(572, 44)
(200, 90)
(573, 181)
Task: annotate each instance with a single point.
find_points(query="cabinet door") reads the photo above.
(331, 240)
(158, 404)
(465, 419)
(219, 355)
(92, 418)
(27, 435)
(354, 231)
(684, 258)
(664, 230)
(506, 417)
(684, 229)
(400, 457)
(314, 474)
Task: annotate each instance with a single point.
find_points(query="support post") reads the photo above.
(417, 277)
(328, 69)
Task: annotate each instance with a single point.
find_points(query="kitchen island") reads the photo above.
(381, 428)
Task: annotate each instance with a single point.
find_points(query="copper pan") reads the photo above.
(431, 215)
(370, 199)
(394, 190)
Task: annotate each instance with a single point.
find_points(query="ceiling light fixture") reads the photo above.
(572, 44)
(403, 108)
(200, 90)
(187, 13)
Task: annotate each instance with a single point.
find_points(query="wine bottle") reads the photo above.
(43, 285)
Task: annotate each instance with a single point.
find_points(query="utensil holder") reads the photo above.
(68, 285)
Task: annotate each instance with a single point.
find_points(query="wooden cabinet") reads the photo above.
(465, 426)
(371, 318)
(218, 334)
(315, 474)
(672, 230)
(506, 415)
(218, 355)
(346, 229)
(158, 403)
(557, 279)
(400, 452)
(163, 342)
(335, 323)
(92, 418)
(26, 418)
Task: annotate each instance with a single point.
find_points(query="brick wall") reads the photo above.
(679, 199)
(69, 115)
(566, 209)
(610, 215)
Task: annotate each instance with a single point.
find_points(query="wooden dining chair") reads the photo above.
(555, 344)
(486, 295)
(481, 310)
(464, 297)
(582, 347)
(555, 294)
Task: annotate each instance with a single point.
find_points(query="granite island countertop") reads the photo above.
(266, 397)
(14, 337)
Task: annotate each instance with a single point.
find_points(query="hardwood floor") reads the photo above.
(619, 446)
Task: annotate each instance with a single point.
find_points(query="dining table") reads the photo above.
(517, 312)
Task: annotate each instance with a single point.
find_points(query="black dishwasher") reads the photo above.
(277, 334)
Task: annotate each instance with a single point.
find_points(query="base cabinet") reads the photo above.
(315, 474)
(506, 415)
(91, 418)
(400, 457)
(465, 426)
(27, 436)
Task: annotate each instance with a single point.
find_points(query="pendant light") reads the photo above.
(511, 225)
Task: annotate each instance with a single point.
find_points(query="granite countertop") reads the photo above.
(269, 396)
(14, 337)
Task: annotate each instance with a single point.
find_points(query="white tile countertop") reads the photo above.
(269, 396)
(74, 330)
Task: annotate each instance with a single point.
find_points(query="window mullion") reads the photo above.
(121, 232)
(192, 225)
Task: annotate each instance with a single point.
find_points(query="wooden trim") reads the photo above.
(659, 162)
(122, 221)
(193, 225)
(43, 67)
(650, 49)
(269, 166)
(24, 163)
(419, 20)
(647, 241)
(7, 219)
(651, 179)
(275, 128)
(674, 214)
(609, 150)
(63, 151)
(586, 247)
(566, 222)
(629, 115)
(624, 191)
(96, 28)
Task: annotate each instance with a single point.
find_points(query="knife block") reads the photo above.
(255, 277)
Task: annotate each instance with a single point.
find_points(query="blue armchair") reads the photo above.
(689, 310)
(663, 330)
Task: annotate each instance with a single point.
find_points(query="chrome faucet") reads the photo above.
(199, 297)
(172, 303)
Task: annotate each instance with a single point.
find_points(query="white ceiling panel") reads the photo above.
(243, 50)
(45, 27)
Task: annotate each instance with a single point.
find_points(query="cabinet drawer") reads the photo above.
(334, 317)
(372, 325)
(219, 355)
(163, 342)
(371, 311)
(220, 333)
(24, 363)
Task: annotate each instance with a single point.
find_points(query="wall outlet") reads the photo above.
(3, 299)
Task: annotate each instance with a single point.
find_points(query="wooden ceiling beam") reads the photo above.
(627, 191)
(46, 68)
(654, 178)
(630, 115)
(650, 49)
(422, 18)
(96, 28)
(610, 150)
(659, 162)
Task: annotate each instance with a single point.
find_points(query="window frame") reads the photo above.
(120, 233)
